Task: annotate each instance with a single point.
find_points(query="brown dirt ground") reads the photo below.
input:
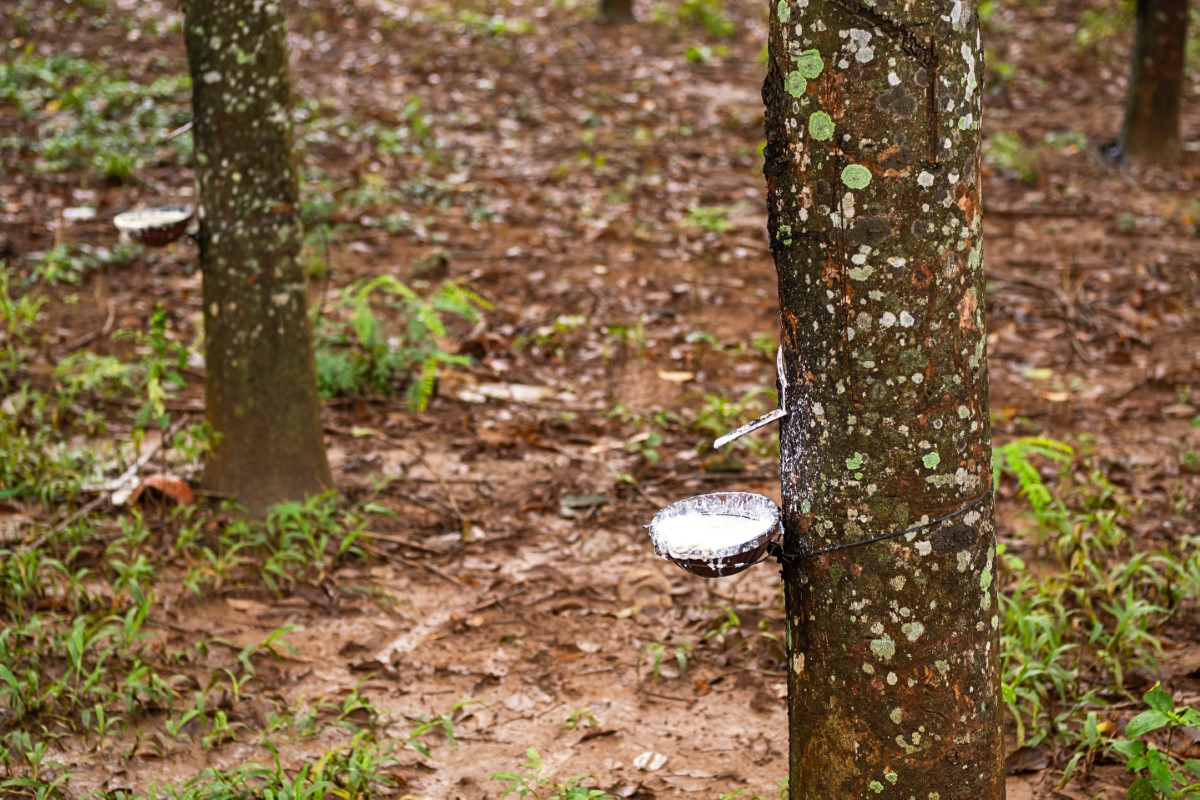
(494, 595)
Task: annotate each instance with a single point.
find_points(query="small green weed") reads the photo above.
(740, 794)
(1161, 774)
(703, 54)
(1074, 627)
(580, 719)
(443, 722)
(359, 355)
(726, 620)
(553, 340)
(358, 770)
(89, 119)
(654, 652)
(719, 414)
(495, 24)
(163, 365)
(1013, 156)
(295, 541)
(69, 264)
(530, 784)
(709, 14)
(1097, 28)
(646, 445)
(36, 460)
(714, 219)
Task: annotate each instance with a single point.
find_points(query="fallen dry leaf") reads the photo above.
(676, 376)
(157, 490)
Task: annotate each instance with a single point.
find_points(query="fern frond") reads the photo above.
(472, 297)
(1015, 456)
(336, 374)
(429, 320)
(421, 389)
(389, 284)
(1052, 449)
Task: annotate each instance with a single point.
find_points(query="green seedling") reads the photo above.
(1090, 742)
(577, 720)
(726, 621)
(656, 651)
(529, 783)
(442, 722)
(1161, 774)
(357, 706)
(714, 219)
(646, 445)
(709, 14)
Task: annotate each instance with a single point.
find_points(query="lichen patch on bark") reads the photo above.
(875, 229)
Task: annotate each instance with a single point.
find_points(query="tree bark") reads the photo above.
(616, 11)
(261, 386)
(872, 167)
(1151, 134)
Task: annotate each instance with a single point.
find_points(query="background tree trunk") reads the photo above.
(616, 10)
(872, 168)
(1151, 134)
(261, 379)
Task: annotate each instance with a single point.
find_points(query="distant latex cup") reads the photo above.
(155, 227)
(714, 535)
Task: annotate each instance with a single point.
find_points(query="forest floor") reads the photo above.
(601, 188)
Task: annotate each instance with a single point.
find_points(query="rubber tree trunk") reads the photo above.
(1151, 133)
(616, 11)
(872, 167)
(261, 385)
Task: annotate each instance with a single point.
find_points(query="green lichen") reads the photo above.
(810, 64)
(795, 84)
(820, 126)
(876, 787)
(931, 460)
(855, 462)
(883, 647)
(783, 11)
(861, 274)
(856, 176)
(913, 630)
(985, 578)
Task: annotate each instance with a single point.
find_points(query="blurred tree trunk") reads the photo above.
(261, 386)
(616, 10)
(1151, 134)
(872, 167)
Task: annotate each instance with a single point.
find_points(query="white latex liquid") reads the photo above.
(705, 533)
(151, 219)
